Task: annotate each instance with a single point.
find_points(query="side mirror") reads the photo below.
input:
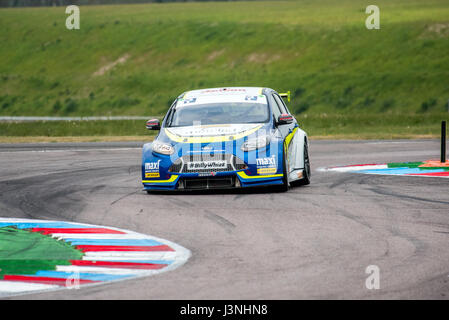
(153, 124)
(285, 118)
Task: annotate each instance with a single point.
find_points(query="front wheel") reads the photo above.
(306, 172)
(285, 183)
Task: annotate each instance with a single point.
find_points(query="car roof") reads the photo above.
(223, 91)
(223, 95)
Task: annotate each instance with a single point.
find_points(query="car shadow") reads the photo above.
(250, 190)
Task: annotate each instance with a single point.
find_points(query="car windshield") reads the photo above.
(218, 113)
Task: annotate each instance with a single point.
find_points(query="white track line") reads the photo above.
(101, 236)
(124, 259)
(73, 150)
(127, 255)
(91, 118)
(21, 287)
(358, 168)
(104, 270)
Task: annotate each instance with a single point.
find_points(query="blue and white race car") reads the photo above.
(232, 137)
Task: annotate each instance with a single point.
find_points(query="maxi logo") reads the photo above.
(152, 169)
(267, 162)
(152, 166)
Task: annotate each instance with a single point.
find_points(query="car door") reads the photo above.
(286, 130)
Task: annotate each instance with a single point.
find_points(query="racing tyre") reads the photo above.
(306, 180)
(285, 185)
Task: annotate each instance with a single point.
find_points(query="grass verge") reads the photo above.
(135, 59)
(318, 126)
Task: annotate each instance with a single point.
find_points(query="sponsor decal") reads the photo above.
(212, 130)
(223, 90)
(267, 162)
(152, 166)
(215, 164)
(266, 170)
(206, 174)
(191, 100)
(152, 175)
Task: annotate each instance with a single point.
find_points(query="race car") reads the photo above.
(233, 137)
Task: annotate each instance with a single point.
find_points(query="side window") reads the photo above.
(275, 106)
(169, 114)
(285, 106)
(281, 104)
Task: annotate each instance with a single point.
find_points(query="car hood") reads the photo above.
(211, 133)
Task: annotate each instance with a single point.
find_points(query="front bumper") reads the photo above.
(219, 180)
(222, 166)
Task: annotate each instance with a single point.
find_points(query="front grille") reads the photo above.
(207, 183)
(232, 163)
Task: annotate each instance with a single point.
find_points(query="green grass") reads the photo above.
(320, 50)
(318, 126)
(74, 128)
(26, 252)
(373, 126)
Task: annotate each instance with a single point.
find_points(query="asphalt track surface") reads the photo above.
(312, 242)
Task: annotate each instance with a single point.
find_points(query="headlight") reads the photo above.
(255, 143)
(163, 148)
